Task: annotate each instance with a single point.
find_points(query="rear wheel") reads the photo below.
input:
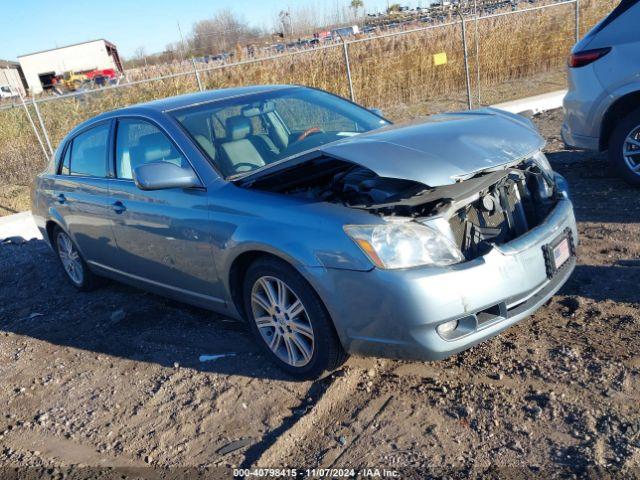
(289, 321)
(72, 263)
(624, 148)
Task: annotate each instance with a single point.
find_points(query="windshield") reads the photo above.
(5, 89)
(246, 133)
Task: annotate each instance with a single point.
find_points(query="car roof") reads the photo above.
(182, 101)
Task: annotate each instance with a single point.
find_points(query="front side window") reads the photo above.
(246, 133)
(139, 142)
(88, 152)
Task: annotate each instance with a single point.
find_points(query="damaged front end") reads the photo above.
(487, 208)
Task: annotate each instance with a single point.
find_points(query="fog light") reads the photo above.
(448, 327)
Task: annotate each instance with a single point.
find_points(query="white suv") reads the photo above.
(602, 107)
(6, 92)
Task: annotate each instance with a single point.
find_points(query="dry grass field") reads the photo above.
(515, 56)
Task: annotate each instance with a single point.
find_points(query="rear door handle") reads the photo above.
(62, 198)
(118, 207)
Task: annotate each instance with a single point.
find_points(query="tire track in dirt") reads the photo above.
(296, 430)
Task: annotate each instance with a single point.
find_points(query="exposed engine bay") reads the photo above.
(491, 207)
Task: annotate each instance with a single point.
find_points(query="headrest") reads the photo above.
(255, 110)
(152, 147)
(238, 128)
(196, 123)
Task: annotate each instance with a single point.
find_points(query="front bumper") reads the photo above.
(394, 313)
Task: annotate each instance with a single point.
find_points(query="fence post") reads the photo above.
(475, 8)
(195, 70)
(577, 21)
(466, 57)
(42, 126)
(33, 125)
(348, 65)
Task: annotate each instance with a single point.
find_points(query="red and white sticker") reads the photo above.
(561, 253)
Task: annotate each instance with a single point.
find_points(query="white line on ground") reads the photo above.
(535, 104)
(19, 225)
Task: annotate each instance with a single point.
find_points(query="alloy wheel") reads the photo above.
(631, 150)
(282, 321)
(70, 258)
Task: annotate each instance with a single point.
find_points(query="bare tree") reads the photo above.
(221, 33)
(393, 8)
(140, 56)
(356, 5)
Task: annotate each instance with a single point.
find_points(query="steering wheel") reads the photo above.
(309, 131)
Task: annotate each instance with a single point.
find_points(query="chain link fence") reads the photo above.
(468, 61)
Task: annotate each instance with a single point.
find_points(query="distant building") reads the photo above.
(41, 68)
(11, 76)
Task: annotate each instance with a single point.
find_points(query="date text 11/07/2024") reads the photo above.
(316, 473)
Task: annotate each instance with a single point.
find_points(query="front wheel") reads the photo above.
(289, 320)
(624, 148)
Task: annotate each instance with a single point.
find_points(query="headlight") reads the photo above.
(403, 245)
(545, 187)
(540, 159)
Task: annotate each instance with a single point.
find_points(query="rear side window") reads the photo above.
(139, 142)
(88, 153)
(66, 161)
(622, 7)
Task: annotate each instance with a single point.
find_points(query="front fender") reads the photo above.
(298, 245)
(302, 232)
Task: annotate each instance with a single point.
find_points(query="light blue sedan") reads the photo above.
(326, 228)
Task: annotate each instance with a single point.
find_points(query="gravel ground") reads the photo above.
(109, 383)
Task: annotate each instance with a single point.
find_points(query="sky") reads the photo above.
(28, 26)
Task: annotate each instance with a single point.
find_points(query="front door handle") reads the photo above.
(62, 198)
(118, 207)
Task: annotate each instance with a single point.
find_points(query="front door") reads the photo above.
(161, 235)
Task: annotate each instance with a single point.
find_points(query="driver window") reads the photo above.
(139, 142)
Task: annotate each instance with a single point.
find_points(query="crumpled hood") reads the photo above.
(443, 148)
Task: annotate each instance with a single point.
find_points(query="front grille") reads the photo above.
(502, 213)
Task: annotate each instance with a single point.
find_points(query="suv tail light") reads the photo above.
(581, 59)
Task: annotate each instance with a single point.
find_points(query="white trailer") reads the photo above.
(41, 67)
(11, 80)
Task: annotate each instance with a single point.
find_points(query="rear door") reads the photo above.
(161, 235)
(81, 194)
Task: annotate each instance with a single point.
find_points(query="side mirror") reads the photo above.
(377, 111)
(163, 175)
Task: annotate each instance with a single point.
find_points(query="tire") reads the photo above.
(628, 127)
(68, 254)
(305, 344)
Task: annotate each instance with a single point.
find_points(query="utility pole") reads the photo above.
(290, 22)
(182, 50)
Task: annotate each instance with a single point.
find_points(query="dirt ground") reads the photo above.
(110, 383)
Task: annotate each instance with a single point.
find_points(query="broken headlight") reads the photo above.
(545, 188)
(541, 161)
(404, 245)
